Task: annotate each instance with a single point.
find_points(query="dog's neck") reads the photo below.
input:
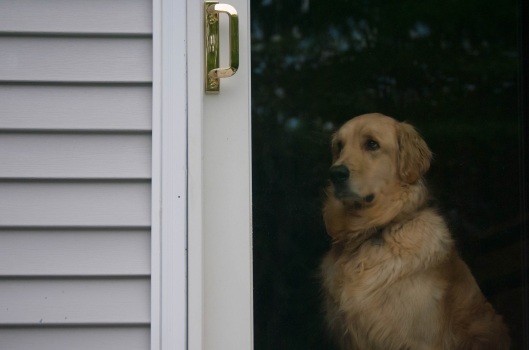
(350, 223)
(352, 243)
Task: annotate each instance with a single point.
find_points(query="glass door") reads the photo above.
(452, 69)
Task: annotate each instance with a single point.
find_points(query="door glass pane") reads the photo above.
(450, 68)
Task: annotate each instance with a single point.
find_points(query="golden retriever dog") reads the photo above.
(393, 278)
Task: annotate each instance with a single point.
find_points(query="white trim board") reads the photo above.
(219, 232)
(169, 182)
(219, 281)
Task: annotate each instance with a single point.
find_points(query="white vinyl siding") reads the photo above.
(74, 204)
(99, 107)
(84, 252)
(75, 174)
(127, 17)
(78, 338)
(44, 155)
(57, 301)
(75, 59)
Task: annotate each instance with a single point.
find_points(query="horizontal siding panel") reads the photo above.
(92, 338)
(74, 252)
(75, 59)
(52, 107)
(52, 155)
(75, 203)
(79, 16)
(74, 301)
(75, 192)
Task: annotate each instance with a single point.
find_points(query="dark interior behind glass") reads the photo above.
(453, 69)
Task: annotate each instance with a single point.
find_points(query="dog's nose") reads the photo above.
(339, 173)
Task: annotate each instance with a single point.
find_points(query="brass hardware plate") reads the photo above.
(213, 73)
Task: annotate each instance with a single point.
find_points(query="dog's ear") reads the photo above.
(414, 156)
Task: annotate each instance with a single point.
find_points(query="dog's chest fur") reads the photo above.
(387, 292)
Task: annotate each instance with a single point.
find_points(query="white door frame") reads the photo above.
(219, 203)
(201, 168)
(169, 180)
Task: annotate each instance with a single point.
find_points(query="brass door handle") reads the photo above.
(213, 73)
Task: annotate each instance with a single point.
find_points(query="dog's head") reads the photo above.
(374, 155)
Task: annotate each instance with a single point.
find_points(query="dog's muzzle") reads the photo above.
(339, 174)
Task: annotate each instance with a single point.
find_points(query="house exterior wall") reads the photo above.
(75, 174)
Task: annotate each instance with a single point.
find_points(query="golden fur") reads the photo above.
(393, 278)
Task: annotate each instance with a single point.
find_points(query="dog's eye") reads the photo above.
(371, 145)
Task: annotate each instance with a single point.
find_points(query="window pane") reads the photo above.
(451, 69)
